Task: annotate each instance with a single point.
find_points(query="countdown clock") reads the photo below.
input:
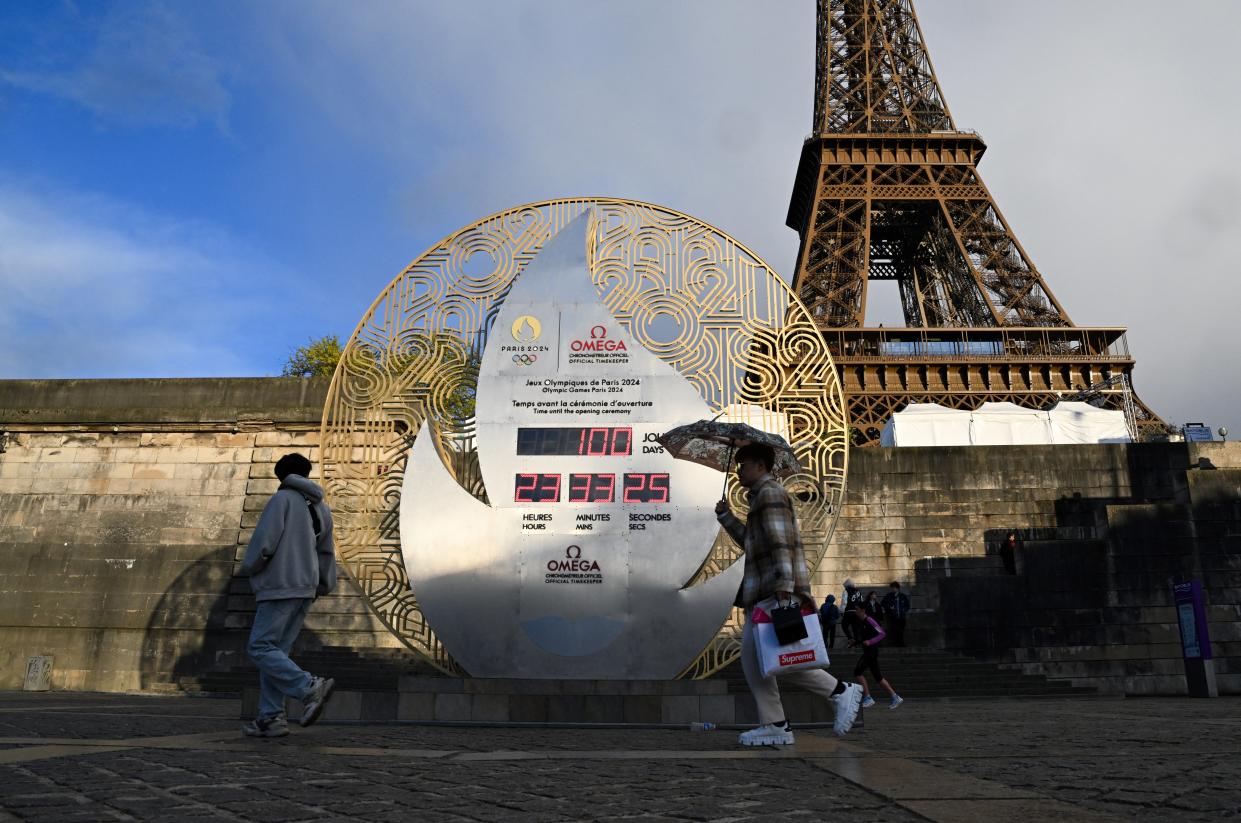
(572, 333)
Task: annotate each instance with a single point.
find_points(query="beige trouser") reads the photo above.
(766, 692)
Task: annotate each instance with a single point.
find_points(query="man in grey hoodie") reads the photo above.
(291, 560)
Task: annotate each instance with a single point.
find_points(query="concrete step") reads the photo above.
(913, 671)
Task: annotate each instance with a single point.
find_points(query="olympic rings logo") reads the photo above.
(525, 359)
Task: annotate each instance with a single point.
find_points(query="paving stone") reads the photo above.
(981, 760)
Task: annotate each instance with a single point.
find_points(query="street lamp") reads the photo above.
(1223, 433)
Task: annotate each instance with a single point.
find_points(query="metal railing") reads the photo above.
(980, 344)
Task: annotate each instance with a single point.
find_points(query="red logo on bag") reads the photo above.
(793, 658)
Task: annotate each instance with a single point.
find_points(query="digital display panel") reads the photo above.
(592, 488)
(585, 441)
(646, 488)
(537, 488)
(637, 487)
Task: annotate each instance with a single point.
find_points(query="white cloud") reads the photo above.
(90, 287)
(474, 107)
(1110, 153)
(1109, 149)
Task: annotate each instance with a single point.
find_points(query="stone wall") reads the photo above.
(124, 508)
(125, 505)
(1104, 531)
(904, 505)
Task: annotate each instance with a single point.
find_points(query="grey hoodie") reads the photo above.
(284, 559)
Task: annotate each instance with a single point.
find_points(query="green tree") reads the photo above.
(318, 358)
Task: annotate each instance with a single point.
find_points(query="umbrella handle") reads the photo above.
(727, 468)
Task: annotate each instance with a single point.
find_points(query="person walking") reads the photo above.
(829, 616)
(849, 603)
(291, 560)
(896, 610)
(869, 635)
(775, 566)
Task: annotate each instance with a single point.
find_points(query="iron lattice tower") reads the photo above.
(888, 188)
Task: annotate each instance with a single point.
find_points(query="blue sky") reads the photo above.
(194, 189)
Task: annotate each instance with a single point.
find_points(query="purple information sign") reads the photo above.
(1191, 614)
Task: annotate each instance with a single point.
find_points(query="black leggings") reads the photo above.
(868, 660)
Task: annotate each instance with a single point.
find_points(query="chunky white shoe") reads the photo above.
(316, 698)
(769, 735)
(847, 704)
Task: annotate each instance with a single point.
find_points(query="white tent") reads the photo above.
(1074, 422)
(927, 424)
(1003, 424)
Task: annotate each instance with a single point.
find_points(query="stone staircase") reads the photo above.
(915, 672)
(925, 673)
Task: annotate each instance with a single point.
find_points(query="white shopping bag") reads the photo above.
(808, 653)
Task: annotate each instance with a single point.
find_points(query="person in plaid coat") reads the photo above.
(775, 566)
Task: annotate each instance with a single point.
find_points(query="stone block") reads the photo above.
(266, 487)
(344, 706)
(275, 438)
(378, 707)
(680, 709)
(604, 708)
(489, 707)
(566, 708)
(528, 708)
(453, 706)
(415, 706)
(718, 708)
(214, 454)
(643, 709)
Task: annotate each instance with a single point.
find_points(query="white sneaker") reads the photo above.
(847, 705)
(769, 735)
(867, 702)
(316, 698)
(896, 701)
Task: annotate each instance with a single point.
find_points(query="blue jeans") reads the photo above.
(276, 624)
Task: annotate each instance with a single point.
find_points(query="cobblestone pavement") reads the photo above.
(82, 757)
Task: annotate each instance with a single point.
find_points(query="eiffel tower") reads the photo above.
(887, 188)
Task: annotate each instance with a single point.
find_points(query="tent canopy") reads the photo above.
(927, 424)
(1003, 424)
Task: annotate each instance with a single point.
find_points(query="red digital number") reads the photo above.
(646, 488)
(604, 441)
(592, 488)
(537, 488)
(622, 441)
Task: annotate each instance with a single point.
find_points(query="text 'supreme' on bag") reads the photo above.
(774, 657)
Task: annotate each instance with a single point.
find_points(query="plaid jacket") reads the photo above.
(775, 560)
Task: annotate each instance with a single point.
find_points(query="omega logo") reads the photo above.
(573, 562)
(599, 341)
